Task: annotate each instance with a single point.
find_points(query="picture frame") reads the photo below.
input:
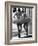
(8, 22)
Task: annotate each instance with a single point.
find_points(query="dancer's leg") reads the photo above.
(18, 31)
(20, 28)
(26, 28)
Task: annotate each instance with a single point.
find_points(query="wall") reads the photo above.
(2, 21)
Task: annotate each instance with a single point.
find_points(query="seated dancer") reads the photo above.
(19, 25)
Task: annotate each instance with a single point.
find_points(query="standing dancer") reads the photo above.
(19, 25)
(25, 23)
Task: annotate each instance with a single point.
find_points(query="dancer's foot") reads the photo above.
(26, 34)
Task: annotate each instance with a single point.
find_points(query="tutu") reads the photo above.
(21, 20)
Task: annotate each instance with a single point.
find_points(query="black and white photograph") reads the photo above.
(21, 22)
